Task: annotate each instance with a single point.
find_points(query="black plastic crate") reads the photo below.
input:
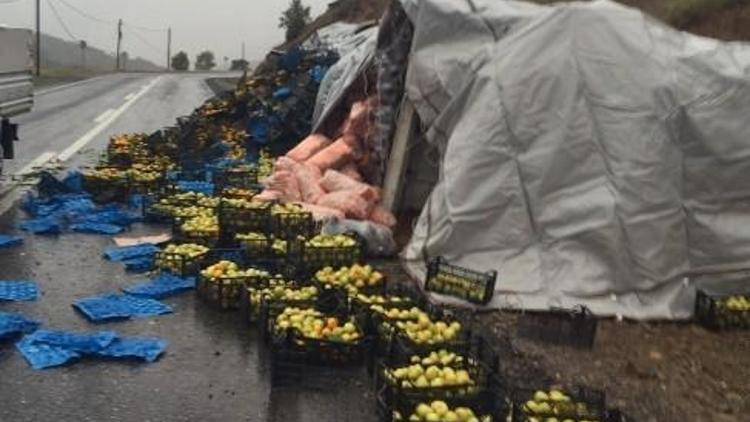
(154, 211)
(268, 311)
(404, 345)
(409, 297)
(253, 298)
(352, 289)
(179, 264)
(313, 258)
(103, 190)
(237, 193)
(189, 174)
(487, 406)
(292, 225)
(120, 159)
(234, 220)
(473, 286)
(716, 312)
(290, 346)
(582, 404)
(567, 327)
(205, 238)
(480, 376)
(393, 345)
(239, 177)
(224, 292)
(257, 248)
(144, 187)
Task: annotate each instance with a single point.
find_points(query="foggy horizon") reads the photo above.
(220, 26)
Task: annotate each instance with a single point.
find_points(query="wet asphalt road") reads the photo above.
(213, 370)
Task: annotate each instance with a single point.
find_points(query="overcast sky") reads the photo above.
(218, 25)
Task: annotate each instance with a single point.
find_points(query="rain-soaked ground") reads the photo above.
(213, 370)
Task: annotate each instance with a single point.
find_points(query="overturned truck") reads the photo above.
(587, 153)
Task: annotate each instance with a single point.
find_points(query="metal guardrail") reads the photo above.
(16, 93)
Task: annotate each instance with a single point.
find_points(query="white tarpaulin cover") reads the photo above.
(591, 155)
(357, 48)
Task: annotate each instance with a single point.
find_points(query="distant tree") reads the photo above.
(239, 64)
(294, 19)
(180, 61)
(205, 61)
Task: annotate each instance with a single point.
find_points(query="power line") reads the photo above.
(144, 28)
(87, 15)
(59, 19)
(105, 21)
(146, 42)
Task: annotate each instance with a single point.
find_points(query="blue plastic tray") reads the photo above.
(113, 306)
(119, 254)
(18, 290)
(13, 324)
(74, 341)
(146, 348)
(96, 228)
(42, 356)
(163, 286)
(9, 241)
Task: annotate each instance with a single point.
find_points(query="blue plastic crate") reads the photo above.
(7, 241)
(18, 291)
(43, 225)
(97, 228)
(113, 306)
(50, 348)
(163, 286)
(139, 265)
(120, 254)
(78, 342)
(42, 356)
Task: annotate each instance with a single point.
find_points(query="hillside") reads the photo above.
(58, 53)
(722, 19)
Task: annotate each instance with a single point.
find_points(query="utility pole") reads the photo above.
(169, 49)
(38, 39)
(119, 41)
(243, 50)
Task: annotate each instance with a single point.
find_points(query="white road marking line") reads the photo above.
(104, 115)
(39, 161)
(99, 128)
(66, 86)
(129, 96)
